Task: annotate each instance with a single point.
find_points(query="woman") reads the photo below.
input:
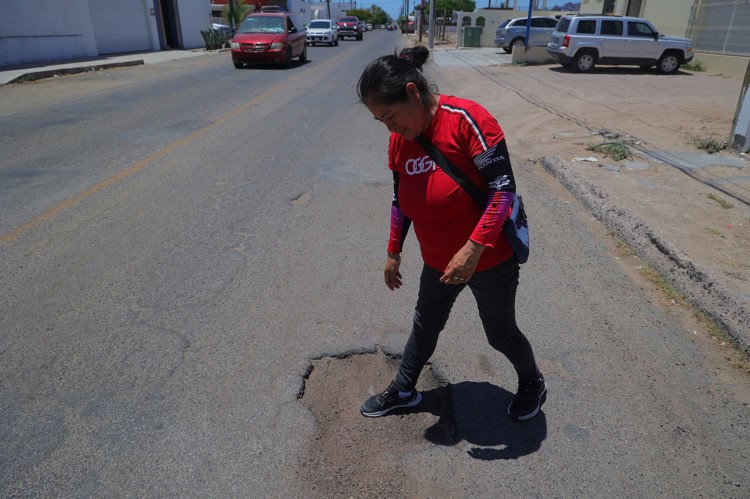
(461, 244)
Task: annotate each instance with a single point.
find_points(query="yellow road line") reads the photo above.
(14, 234)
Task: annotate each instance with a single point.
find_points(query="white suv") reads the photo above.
(581, 42)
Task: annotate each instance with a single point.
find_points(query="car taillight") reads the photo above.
(566, 41)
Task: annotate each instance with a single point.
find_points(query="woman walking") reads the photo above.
(461, 244)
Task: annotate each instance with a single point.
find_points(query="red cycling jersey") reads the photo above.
(444, 215)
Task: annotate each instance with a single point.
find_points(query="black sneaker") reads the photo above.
(383, 403)
(528, 400)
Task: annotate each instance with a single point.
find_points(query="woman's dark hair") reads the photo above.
(384, 80)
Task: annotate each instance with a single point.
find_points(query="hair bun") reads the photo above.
(417, 56)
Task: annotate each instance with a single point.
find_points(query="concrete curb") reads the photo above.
(39, 75)
(723, 305)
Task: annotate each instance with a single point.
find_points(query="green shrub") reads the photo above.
(709, 144)
(616, 149)
(215, 39)
(694, 66)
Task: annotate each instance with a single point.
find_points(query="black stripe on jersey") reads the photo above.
(471, 121)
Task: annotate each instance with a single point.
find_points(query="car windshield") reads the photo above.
(262, 25)
(319, 25)
(504, 23)
(349, 20)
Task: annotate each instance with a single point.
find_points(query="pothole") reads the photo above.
(352, 455)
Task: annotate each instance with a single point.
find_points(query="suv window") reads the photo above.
(550, 23)
(612, 28)
(636, 28)
(587, 27)
(504, 23)
(519, 22)
(563, 25)
(538, 23)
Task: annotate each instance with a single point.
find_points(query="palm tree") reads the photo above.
(236, 12)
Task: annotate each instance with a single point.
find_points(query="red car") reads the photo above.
(269, 37)
(350, 26)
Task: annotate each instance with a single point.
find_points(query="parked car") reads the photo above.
(227, 30)
(274, 37)
(368, 27)
(512, 32)
(581, 42)
(322, 31)
(350, 26)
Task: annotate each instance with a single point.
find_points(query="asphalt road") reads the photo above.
(178, 240)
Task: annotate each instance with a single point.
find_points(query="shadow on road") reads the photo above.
(476, 413)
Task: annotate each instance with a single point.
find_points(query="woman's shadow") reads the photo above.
(476, 412)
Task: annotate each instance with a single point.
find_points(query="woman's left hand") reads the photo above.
(462, 265)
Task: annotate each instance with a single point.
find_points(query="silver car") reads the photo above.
(581, 42)
(322, 31)
(512, 32)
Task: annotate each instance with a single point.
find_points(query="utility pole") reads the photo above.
(328, 7)
(231, 15)
(431, 26)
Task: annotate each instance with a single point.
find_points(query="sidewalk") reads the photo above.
(39, 70)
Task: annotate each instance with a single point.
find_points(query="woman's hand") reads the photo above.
(391, 273)
(462, 265)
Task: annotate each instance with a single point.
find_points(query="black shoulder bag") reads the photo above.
(515, 228)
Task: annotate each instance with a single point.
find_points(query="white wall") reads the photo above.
(120, 25)
(44, 30)
(195, 15)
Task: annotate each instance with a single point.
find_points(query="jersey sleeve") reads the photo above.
(400, 223)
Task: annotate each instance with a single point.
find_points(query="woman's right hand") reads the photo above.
(391, 273)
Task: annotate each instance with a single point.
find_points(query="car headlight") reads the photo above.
(277, 46)
(235, 45)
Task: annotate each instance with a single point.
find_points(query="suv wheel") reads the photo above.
(303, 55)
(584, 62)
(668, 63)
(359, 37)
(238, 65)
(518, 42)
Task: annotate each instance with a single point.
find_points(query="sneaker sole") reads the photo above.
(542, 400)
(414, 402)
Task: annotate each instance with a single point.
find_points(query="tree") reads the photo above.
(379, 16)
(363, 15)
(240, 11)
(451, 5)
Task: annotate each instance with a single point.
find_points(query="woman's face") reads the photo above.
(408, 119)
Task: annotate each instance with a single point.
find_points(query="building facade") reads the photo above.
(56, 30)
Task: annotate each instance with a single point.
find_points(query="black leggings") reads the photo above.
(495, 292)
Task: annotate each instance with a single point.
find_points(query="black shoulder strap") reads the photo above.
(457, 175)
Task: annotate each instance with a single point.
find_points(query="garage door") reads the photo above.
(120, 25)
(721, 26)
